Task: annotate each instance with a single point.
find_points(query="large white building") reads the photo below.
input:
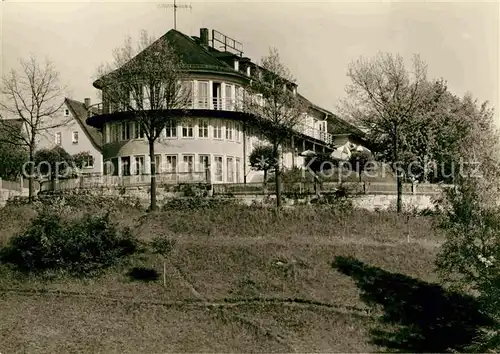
(214, 138)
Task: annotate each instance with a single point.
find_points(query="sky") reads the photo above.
(459, 41)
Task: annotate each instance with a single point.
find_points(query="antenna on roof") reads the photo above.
(175, 6)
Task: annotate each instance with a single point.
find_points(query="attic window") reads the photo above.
(66, 112)
(236, 65)
(248, 71)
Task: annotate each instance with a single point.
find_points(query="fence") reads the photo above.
(96, 181)
(328, 187)
(18, 185)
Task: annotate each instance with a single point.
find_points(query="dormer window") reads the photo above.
(249, 71)
(236, 64)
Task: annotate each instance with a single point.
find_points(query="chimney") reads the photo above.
(87, 102)
(204, 37)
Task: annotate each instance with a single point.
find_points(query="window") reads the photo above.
(188, 92)
(217, 129)
(237, 170)
(229, 130)
(107, 168)
(126, 166)
(116, 133)
(204, 162)
(203, 128)
(188, 163)
(187, 129)
(58, 138)
(171, 163)
(66, 112)
(88, 161)
(229, 97)
(171, 129)
(218, 168)
(125, 130)
(237, 132)
(75, 138)
(158, 166)
(202, 101)
(138, 131)
(230, 169)
(139, 165)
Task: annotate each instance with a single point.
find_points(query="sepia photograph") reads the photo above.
(249, 176)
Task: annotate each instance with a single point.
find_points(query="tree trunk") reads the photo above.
(278, 177)
(399, 184)
(152, 206)
(265, 177)
(30, 177)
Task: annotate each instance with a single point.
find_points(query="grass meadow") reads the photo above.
(239, 279)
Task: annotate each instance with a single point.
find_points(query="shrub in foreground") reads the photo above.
(79, 247)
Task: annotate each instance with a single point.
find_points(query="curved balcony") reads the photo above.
(216, 106)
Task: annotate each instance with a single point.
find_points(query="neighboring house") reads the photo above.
(70, 131)
(213, 135)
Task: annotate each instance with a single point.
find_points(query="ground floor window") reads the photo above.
(230, 169)
(171, 163)
(158, 167)
(188, 163)
(126, 166)
(218, 176)
(238, 170)
(140, 165)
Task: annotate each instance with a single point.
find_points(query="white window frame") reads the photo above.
(138, 132)
(58, 138)
(202, 157)
(171, 130)
(186, 166)
(203, 101)
(230, 169)
(237, 132)
(66, 112)
(189, 126)
(203, 131)
(126, 131)
(237, 167)
(170, 166)
(158, 166)
(229, 130)
(217, 129)
(74, 137)
(89, 162)
(218, 177)
(142, 169)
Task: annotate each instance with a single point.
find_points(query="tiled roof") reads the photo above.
(193, 55)
(80, 113)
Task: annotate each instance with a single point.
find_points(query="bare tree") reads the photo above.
(34, 96)
(149, 85)
(272, 99)
(383, 98)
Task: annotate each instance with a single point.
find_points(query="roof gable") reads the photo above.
(80, 114)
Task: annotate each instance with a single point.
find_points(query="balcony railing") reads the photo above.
(221, 104)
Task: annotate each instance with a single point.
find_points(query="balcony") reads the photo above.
(219, 104)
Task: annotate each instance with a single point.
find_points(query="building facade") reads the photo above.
(213, 140)
(70, 130)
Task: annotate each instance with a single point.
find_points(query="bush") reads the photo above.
(195, 203)
(79, 247)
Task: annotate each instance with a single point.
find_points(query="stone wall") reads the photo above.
(384, 202)
(368, 201)
(5, 194)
